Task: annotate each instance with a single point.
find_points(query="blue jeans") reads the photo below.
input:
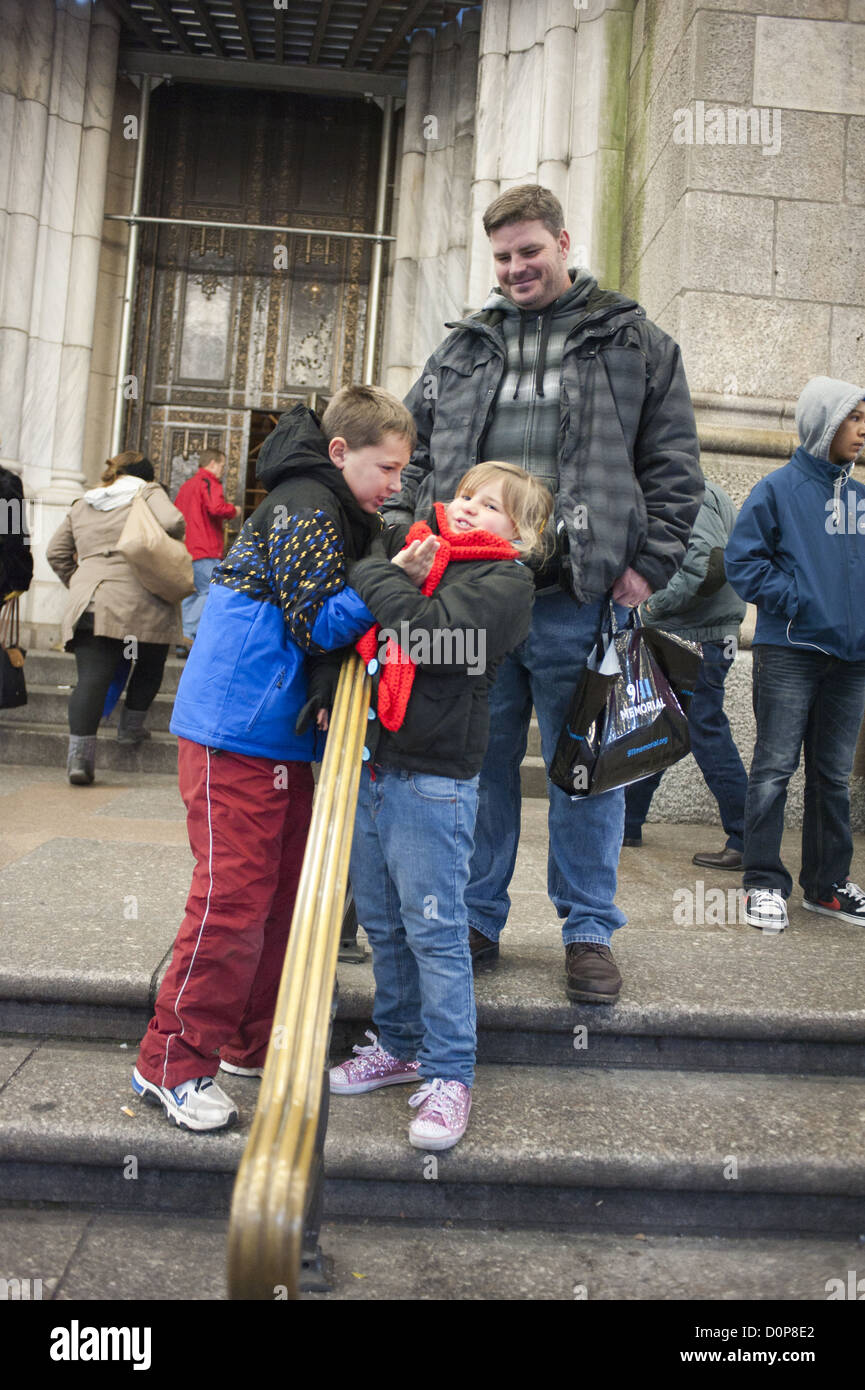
(409, 868)
(714, 750)
(802, 697)
(193, 606)
(585, 834)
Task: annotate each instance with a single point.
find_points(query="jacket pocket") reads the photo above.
(275, 684)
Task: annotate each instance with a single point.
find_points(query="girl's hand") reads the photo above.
(417, 559)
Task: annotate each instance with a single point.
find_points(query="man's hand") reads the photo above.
(630, 589)
(417, 559)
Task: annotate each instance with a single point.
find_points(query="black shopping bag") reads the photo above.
(13, 687)
(628, 717)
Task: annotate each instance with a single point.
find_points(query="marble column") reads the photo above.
(25, 75)
(57, 80)
(397, 355)
(548, 105)
(434, 177)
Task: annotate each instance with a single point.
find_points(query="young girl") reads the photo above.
(429, 727)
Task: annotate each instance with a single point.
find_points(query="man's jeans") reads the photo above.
(409, 868)
(713, 748)
(585, 834)
(802, 697)
(193, 606)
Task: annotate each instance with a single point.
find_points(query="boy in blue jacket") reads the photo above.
(244, 771)
(798, 552)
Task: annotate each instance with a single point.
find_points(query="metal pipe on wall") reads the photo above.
(371, 343)
(134, 219)
(131, 269)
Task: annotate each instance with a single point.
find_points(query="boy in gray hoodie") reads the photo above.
(798, 552)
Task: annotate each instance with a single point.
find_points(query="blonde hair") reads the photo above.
(363, 415)
(127, 462)
(527, 502)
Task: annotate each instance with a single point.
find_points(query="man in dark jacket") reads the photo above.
(202, 502)
(574, 384)
(699, 604)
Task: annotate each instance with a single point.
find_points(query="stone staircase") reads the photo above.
(716, 1113)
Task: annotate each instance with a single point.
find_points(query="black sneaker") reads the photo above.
(485, 953)
(847, 902)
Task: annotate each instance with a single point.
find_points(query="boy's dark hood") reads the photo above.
(297, 445)
(297, 448)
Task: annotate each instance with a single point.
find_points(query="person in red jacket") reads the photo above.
(202, 501)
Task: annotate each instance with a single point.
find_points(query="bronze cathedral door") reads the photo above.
(233, 327)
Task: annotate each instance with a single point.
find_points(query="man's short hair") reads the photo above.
(363, 415)
(527, 202)
(208, 456)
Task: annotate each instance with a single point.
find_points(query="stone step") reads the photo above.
(25, 739)
(58, 668)
(48, 704)
(699, 993)
(608, 1149)
(90, 1254)
(682, 796)
(46, 745)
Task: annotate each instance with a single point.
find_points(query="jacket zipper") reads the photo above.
(275, 684)
(532, 395)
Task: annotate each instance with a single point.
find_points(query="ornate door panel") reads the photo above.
(229, 322)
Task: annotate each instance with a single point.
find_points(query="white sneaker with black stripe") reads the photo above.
(197, 1104)
(766, 909)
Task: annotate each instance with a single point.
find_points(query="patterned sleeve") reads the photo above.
(308, 573)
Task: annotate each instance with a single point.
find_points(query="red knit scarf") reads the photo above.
(397, 677)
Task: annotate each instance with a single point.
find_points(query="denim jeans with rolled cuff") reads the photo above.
(409, 869)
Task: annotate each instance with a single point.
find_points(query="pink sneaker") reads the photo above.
(444, 1113)
(373, 1067)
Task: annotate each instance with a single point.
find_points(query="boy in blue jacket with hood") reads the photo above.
(242, 717)
(798, 552)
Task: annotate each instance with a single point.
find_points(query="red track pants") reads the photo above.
(247, 820)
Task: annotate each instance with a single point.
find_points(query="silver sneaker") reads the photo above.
(197, 1104)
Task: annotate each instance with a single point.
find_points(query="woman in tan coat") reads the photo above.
(111, 616)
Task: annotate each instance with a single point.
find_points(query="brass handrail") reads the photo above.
(272, 1192)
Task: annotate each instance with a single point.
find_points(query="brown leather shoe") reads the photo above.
(727, 859)
(485, 953)
(592, 976)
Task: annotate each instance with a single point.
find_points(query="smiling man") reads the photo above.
(574, 384)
